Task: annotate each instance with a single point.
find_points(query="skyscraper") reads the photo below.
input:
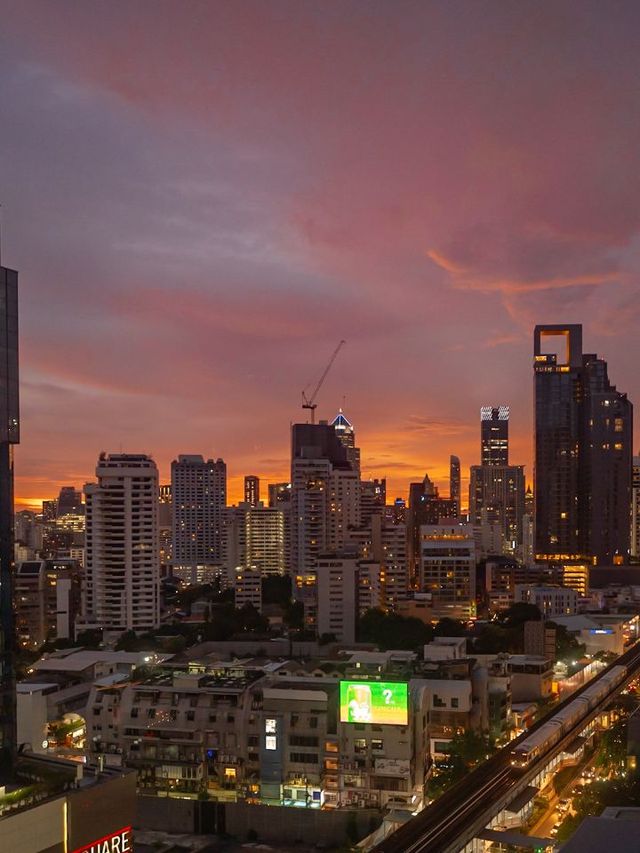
(252, 490)
(199, 496)
(455, 491)
(347, 437)
(122, 562)
(325, 493)
(496, 489)
(494, 435)
(583, 454)
(9, 435)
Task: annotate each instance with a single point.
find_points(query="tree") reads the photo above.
(492, 640)
(276, 589)
(447, 627)
(390, 631)
(519, 613)
(567, 647)
(126, 642)
(90, 639)
(294, 615)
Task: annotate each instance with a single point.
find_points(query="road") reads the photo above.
(455, 815)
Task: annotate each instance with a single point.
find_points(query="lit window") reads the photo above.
(270, 725)
(270, 742)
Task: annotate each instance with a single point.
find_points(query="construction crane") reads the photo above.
(310, 402)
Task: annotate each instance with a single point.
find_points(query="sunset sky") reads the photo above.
(203, 198)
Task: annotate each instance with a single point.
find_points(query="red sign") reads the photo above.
(117, 842)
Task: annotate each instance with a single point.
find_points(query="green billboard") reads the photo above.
(377, 702)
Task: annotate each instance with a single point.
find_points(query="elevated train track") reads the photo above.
(457, 816)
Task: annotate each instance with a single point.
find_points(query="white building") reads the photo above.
(199, 495)
(122, 570)
(337, 596)
(550, 600)
(448, 569)
(254, 538)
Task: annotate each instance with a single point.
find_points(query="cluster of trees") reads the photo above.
(504, 634)
(464, 752)
(596, 797)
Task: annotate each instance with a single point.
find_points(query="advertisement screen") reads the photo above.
(377, 702)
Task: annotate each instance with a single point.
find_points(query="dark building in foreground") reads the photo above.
(583, 453)
(9, 435)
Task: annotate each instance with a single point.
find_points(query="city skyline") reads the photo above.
(192, 244)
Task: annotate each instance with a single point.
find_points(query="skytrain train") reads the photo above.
(550, 733)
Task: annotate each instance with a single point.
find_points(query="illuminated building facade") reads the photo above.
(498, 490)
(254, 539)
(583, 455)
(325, 493)
(252, 490)
(199, 496)
(425, 507)
(448, 569)
(347, 437)
(455, 490)
(373, 497)
(494, 431)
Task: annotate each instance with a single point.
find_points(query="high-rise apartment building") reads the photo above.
(496, 496)
(583, 454)
(254, 539)
(425, 507)
(635, 509)
(325, 493)
(448, 569)
(199, 496)
(455, 490)
(384, 543)
(9, 435)
(373, 498)
(494, 426)
(252, 490)
(337, 591)
(122, 563)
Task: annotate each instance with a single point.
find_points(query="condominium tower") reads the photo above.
(583, 454)
(122, 562)
(199, 496)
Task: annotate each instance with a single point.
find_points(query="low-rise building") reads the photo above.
(598, 632)
(531, 677)
(269, 732)
(551, 601)
(47, 600)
